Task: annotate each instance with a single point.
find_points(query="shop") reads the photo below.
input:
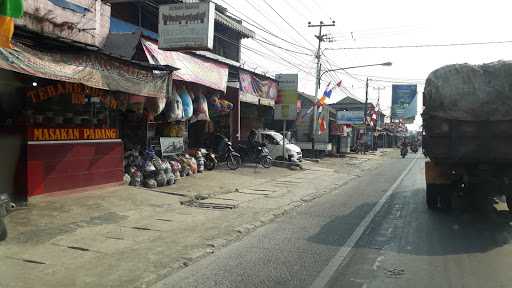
(64, 117)
(257, 97)
(200, 103)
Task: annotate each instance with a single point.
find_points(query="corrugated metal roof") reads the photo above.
(226, 21)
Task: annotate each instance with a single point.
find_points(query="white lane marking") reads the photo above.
(336, 261)
(377, 262)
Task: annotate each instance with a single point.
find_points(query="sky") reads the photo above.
(362, 23)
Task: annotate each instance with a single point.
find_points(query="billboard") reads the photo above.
(253, 89)
(186, 26)
(350, 117)
(404, 103)
(287, 97)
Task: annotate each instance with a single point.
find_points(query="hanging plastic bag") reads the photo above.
(188, 108)
(174, 108)
(200, 108)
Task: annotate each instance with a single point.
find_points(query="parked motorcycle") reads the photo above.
(257, 154)
(210, 161)
(232, 159)
(403, 152)
(5, 205)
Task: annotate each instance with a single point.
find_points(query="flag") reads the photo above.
(9, 9)
(322, 127)
(6, 31)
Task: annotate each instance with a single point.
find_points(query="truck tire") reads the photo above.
(509, 202)
(445, 197)
(3, 230)
(432, 196)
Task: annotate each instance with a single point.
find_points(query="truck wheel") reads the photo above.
(3, 230)
(445, 197)
(432, 196)
(509, 203)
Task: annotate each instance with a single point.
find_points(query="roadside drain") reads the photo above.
(78, 248)
(208, 205)
(143, 228)
(33, 261)
(165, 220)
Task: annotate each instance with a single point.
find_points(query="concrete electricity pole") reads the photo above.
(321, 38)
(378, 101)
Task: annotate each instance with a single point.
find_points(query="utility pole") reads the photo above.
(321, 38)
(378, 101)
(365, 117)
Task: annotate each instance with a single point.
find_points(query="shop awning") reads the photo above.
(89, 68)
(192, 69)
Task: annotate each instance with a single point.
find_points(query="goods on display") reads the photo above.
(200, 108)
(188, 108)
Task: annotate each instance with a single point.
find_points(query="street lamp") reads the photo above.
(319, 78)
(352, 67)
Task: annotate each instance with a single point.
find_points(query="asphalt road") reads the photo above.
(373, 232)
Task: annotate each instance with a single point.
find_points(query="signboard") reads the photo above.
(350, 117)
(186, 26)
(71, 134)
(338, 129)
(192, 69)
(287, 97)
(89, 68)
(171, 145)
(253, 88)
(404, 101)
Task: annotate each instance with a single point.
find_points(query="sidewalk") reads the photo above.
(133, 237)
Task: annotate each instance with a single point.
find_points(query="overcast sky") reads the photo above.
(361, 23)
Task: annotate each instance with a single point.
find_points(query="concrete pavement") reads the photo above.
(129, 237)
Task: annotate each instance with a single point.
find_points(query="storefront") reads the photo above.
(64, 114)
(201, 106)
(257, 98)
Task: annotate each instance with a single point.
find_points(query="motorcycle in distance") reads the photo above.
(414, 148)
(403, 151)
(5, 206)
(210, 161)
(224, 152)
(259, 154)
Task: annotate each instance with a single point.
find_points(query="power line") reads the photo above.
(423, 45)
(260, 27)
(280, 47)
(291, 26)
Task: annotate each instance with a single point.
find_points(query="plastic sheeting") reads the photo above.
(470, 92)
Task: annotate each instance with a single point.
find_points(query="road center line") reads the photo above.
(338, 259)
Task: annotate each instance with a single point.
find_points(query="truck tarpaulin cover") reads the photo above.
(470, 92)
(89, 68)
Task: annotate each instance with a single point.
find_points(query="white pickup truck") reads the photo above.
(274, 142)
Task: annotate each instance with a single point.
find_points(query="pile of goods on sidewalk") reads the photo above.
(151, 171)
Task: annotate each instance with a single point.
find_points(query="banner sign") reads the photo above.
(186, 26)
(192, 69)
(286, 100)
(89, 68)
(253, 88)
(404, 101)
(338, 129)
(350, 117)
(171, 145)
(71, 134)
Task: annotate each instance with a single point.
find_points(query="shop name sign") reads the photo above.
(77, 91)
(186, 26)
(70, 134)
